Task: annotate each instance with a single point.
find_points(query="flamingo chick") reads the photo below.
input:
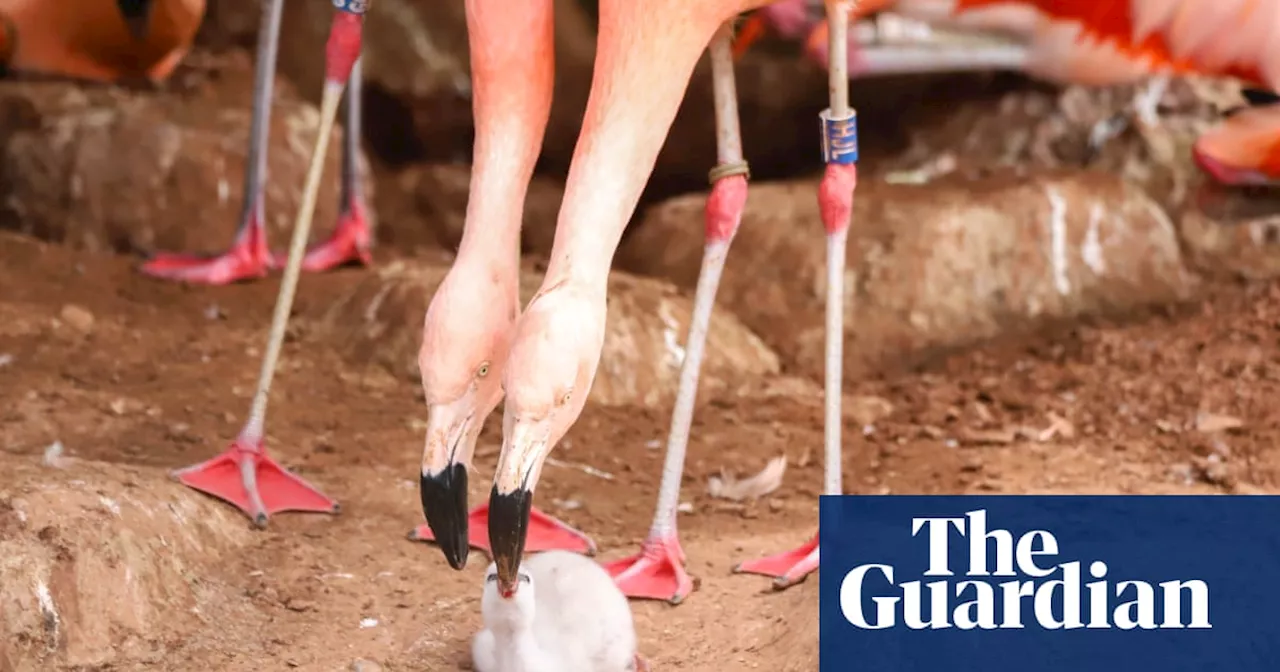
(249, 256)
(641, 72)
(468, 327)
(564, 616)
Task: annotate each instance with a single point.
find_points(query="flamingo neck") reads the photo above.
(641, 72)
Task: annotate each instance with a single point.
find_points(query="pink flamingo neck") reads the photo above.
(513, 65)
(641, 72)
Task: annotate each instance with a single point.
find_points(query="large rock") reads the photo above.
(106, 169)
(441, 191)
(1030, 131)
(380, 322)
(929, 266)
(100, 565)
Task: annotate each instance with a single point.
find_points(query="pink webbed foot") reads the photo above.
(656, 573)
(256, 484)
(787, 569)
(248, 259)
(545, 533)
(350, 243)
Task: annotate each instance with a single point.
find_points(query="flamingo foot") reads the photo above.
(350, 243)
(248, 259)
(254, 483)
(787, 569)
(545, 533)
(656, 573)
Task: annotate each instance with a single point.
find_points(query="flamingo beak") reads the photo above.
(525, 448)
(443, 482)
(137, 16)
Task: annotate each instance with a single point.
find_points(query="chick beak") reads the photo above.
(443, 482)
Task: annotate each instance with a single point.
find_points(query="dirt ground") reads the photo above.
(135, 377)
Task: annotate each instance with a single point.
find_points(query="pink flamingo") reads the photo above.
(1098, 42)
(244, 475)
(642, 70)
(467, 332)
(249, 256)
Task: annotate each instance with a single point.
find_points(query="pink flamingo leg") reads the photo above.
(249, 257)
(835, 200)
(352, 239)
(657, 571)
(244, 475)
(545, 533)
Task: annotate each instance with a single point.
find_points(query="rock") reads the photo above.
(1030, 131)
(77, 318)
(441, 192)
(107, 169)
(1233, 233)
(930, 267)
(379, 321)
(98, 572)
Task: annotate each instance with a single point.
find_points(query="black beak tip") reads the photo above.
(444, 503)
(508, 527)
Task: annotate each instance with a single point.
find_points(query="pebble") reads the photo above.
(362, 665)
(77, 318)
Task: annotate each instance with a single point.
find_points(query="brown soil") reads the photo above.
(135, 377)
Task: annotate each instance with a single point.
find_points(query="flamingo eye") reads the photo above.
(483, 370)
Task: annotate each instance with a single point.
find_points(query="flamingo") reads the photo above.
(1102, 42)
(249, 256)
(469, 323)
(244, 475)
(642, 70)
(102, 40)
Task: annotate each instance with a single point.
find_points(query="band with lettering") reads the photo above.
(352, 6)
(839, 138)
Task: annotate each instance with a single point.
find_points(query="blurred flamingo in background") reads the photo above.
(249, 256)
(1092, 42)
(102, 40)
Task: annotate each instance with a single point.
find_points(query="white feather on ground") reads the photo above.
(566, 616)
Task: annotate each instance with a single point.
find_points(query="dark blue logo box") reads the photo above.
(1060, 584)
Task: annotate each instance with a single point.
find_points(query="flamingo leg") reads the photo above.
(657, 571)
(835, 200)
(248, 257)
(351, 239)
(244, 475)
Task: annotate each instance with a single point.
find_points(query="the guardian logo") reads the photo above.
(1037, 588)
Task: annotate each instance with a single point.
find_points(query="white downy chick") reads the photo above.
(566, 615)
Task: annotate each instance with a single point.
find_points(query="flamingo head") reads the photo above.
(553, 363)
(465, 339)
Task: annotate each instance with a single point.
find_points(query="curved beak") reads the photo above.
(137, 16)
(525, 446)
(443, 481)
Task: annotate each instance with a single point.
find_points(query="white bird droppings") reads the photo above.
(366, 623)
(1058, 240)
(51, 619)
(1091, 251)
